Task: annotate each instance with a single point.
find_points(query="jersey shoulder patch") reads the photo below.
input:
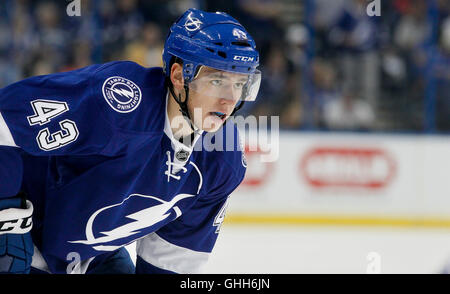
(131, 97)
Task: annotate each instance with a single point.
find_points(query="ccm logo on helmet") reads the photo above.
(243, 58)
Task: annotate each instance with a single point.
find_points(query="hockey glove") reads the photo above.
(16, 245)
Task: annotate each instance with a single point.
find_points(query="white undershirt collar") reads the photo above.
(182, 152)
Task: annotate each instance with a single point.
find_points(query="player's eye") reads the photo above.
(216, 82)
(239, 85)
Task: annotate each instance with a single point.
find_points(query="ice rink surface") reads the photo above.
(257, 249)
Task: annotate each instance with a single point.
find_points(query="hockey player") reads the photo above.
(103, 156)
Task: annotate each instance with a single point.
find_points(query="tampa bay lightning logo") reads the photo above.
(121, 94)
(192, 23)
(99, 235)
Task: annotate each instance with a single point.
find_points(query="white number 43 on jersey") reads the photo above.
(44, 112)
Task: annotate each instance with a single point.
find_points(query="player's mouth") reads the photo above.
(219, 114)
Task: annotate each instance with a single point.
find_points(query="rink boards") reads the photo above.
(345, 179)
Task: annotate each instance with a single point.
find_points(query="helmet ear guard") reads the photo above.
(188, 71)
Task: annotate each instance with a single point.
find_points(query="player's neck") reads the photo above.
(180, 127)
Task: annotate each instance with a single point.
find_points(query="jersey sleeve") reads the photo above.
(68, 113)
(72, 113)
(11, 170)
(184, 245)
(30, 111)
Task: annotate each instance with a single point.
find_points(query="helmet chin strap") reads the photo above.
(236, 108)
(183, 106)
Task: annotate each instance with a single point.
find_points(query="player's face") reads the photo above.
(213, 94)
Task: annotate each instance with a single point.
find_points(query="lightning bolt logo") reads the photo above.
(117, 89)
(123, 92)
(142, 219)
(192, 23)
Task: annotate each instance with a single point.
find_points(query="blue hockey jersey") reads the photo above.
(102, 169)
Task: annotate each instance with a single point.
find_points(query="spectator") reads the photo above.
(297, 38)
(147, 49)
(413, 28)
(276, 85)
(348, 113)
(121, 24)
(355, 38)
(324, 81)
(52, 38)
(388, 62)
(441, 69)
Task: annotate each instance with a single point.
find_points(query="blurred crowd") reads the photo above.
(326, 64)
(385, 73)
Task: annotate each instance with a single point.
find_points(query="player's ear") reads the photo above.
(176, 76)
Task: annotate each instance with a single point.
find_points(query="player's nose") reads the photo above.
(229, 101)
(228, 96)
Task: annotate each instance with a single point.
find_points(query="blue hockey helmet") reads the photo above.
(216, 40)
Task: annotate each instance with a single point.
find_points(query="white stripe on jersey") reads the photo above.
(38, 261)
(160, 253)
(6, 138)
